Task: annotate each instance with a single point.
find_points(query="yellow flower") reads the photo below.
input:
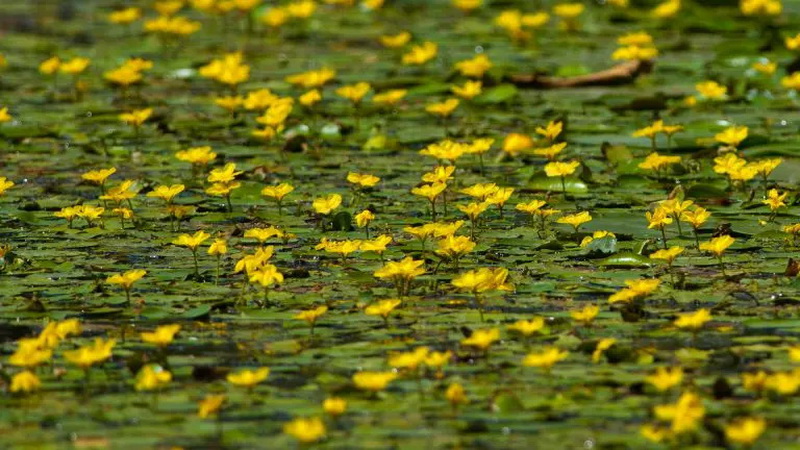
(373, 381)
(455, 394)
(791, 81)
(599, 234)
(90, 355)
(123, 76)
(658, 219)
(266, 276)
(482, 338)
(479, 146)
(312, 79)
(732, 136)
(568, 10)
(665, 378)
(210, 405)
(274, 117)
(474, 67)
(310, 98)
(473, 210)
(407, 268)
(765, 67)
(30, 353)
(651, 130)
(4, 115)
(136, 117)
(482, 280)
(225, 174)
(5, 184)
(152, 377)
(354, 92)
(25, 381)
(468, 91)
(197, 155)
(54, 332)
(755, 381)
(305, 430)
(420, 54)
(334, 406)
(440, 174)
(675, 207)
(161, 336)
(634, 53)
(364, 218)
(362, 179)
(745, 431)
(783, 383)
(74, 66)
(126, 279)
(438, 359)
(693, 321)
(635, 38)
(389, 97)
(586, 315)
(697, 217)
(480, 191)
(467, 5)
(301, 9)
(50, 65)
(397, 40)
(409, 360)
(635, 289)
(545, 359)
(528, 327)
(377, 245)
(516, 143)
(550, 152)
(429, 191)
(444, 108)
(760, 7)
(576, 220)
(792, 42)
(711, 90)
(602, 345)
(230, 102)
(728, 163)
(500, 196)
(774, 199)
(124, 16)
(191, 241)
(311, 315)
(453, 247)
(684, 415)
(718, 245)
(551, 131)
(168, 7)
(248, 378)
(166, 193)
(655, 161)
(667, 9)
(218, 247)
(325, 205)
(382, 308)
(278, 192)
(794, 353)
(263, 234)
(531, 207)
(445, 150)
(667, 255)
(561, 169)
(98, 176)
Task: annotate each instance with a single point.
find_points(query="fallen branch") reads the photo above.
(623, 73)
